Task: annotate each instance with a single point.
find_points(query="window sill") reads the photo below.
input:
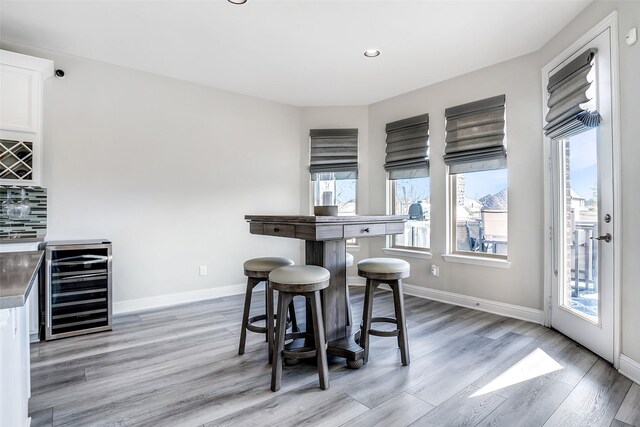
(476, 260)
(407, 253)
(353, 248)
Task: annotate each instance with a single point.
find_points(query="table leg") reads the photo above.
(335, 304)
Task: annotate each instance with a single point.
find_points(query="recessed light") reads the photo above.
(238, 1)
(371, 53)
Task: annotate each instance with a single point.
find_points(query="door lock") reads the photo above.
(607, 238)
(607, 218)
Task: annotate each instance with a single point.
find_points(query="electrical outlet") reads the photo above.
(203, 270)
(435, 270)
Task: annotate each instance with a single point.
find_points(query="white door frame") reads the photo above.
(611, 22)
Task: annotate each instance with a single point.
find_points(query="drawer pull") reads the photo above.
(276, 229)
(365, 230)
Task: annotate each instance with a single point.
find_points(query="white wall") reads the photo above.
(628, 17)
(519, 79)
(166, 170)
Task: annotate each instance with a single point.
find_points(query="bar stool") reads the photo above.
(307, 281)
(390, 271)
(257, 270)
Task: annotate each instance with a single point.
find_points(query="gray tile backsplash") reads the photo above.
(35, 224)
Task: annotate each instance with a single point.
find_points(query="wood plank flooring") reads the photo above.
(179, 367)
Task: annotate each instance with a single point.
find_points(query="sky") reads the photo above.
(480, 184)
(583, 163)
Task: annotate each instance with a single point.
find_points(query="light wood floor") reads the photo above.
(179, 367)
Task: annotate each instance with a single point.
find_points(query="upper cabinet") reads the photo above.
(21, 83)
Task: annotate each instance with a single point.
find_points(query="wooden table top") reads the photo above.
(325, 219)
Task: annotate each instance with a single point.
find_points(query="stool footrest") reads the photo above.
(262, 329)
(254, 328)
(300, 353)
(380, 333)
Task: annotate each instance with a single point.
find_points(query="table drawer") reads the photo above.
(283, 230)
(364, 230)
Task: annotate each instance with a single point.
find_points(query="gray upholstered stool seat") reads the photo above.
(264, 265)
(390, 271)
(384, 266)
(257, 270)
(307, 281)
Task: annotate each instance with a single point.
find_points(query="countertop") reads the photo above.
(18, 271)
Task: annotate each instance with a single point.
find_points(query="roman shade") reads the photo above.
(408, 148)
(572, 105)
(334, 151)
(475, 138)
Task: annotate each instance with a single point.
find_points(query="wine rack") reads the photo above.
(77, 288)
(16, 160)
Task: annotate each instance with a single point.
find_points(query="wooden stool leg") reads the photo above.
(292, 317)
(367, 313)
(266, 302)
(269, 320)
(403, 340)
(276, 366)
(321, 349)
(349, 313)
(245, 314)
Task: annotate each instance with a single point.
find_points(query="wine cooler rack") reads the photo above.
(77, 292)
(16, 160)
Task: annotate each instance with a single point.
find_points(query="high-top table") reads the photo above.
(325, 245)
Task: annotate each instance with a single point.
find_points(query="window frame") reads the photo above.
(453, 224)
(391, 245)
(312, 195)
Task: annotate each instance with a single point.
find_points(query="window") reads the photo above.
(327, 190)
(334, 168)
(412, 197)
(407, 162)
(476, 155)
(480, 212)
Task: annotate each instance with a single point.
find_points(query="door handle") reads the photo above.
(607, 238)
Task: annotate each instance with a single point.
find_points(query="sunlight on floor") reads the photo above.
(535, 364)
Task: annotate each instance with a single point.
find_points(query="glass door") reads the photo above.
(582, 180)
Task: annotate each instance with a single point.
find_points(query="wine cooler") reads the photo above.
(77, 288)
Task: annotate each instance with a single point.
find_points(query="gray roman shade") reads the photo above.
(408, 148)
(334, 151)
(476, 136)
(572, 109)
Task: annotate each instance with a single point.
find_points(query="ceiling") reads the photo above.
(299, 52)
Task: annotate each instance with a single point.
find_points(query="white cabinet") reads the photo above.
(15, 382)
(21, 82)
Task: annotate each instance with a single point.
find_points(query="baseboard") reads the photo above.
(501, 308)
(496, 307)
(142, 304)
(630, 368)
